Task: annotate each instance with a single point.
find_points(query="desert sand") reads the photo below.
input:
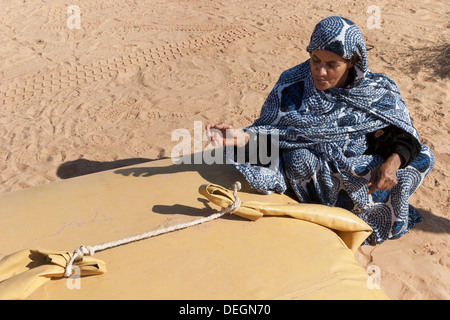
(111, 92)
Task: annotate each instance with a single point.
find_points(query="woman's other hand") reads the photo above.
(222, 134)
(385, 176)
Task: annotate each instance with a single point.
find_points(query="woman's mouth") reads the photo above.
(321, 83)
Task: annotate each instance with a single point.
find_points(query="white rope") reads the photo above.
(91, 250)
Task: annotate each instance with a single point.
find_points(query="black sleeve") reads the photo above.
(391, 140)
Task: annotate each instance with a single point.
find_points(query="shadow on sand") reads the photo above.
(82, 167)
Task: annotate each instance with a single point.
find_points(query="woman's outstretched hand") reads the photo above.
(225, 135)
(385, 176)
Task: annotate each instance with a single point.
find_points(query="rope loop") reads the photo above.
(78, 255)
(237, 201)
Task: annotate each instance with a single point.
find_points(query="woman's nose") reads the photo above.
(321, 71)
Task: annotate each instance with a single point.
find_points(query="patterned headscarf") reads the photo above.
(342, 37)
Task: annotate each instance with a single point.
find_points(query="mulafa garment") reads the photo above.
(322, 138)
(383, 142)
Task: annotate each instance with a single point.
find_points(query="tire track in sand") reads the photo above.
(39, 86)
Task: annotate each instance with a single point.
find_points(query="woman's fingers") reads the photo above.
(373, 182)
(222, 126)
(219, 126)
(381, 184)
(383, 178)
(217, 132)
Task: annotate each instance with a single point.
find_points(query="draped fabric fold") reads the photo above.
(352, 230)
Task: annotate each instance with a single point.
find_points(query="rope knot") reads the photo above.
(86, 251)
(237, 201)
(78, 254)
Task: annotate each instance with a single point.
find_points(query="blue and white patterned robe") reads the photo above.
(322, 138)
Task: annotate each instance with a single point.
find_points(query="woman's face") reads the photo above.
(329, 70)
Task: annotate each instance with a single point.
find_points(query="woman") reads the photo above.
(344, 134)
